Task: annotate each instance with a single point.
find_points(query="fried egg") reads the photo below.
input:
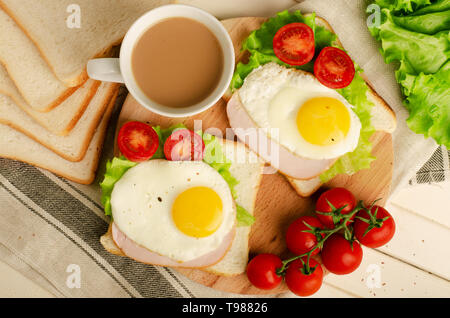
(306, 117)
(182, 210)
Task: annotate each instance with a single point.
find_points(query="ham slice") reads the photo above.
(141, 254)
(269, 150)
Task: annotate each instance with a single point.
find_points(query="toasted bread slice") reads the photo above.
(60, 120)
(108, 243)
(17, 146)
(71, 147)
(26, 67)
(247, 168)
(66, 46)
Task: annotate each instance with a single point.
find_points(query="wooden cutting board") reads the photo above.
(277, 204)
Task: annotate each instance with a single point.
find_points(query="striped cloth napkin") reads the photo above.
(50, 227)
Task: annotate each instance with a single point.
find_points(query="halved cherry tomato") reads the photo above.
(334, 68)
(294, 44)
(382, 227)
(184, 145)
(262, 271)
(137, 141)
(299, 242)
(340, 256)
(338, 198)
(303, 284)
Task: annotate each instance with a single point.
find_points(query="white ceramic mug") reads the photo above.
(120, 70)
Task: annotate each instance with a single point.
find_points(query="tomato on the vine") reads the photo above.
(300, 242)
(262, 271)
(339, 198)
(376, 229)
(301, 283)
(340, 256)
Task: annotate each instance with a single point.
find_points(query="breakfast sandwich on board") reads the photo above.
(301, 82)
(181, 208)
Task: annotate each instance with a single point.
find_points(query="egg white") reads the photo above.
(272, 96)
(142, 202)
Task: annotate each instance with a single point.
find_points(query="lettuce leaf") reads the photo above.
(259, 44)
(418, 39)
(429, 105)
(402, 5)
(423, 52)
(243, 217)
(115, 169)
(437, 6)
(430, 23)
(214, 157)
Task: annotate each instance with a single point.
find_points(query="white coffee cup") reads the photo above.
(119, 70)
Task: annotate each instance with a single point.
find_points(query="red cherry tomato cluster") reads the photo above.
(139, 142)
(294, 44)
(336, 231)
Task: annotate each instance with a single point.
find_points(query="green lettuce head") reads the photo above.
(415, 34)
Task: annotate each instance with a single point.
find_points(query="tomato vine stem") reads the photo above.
(322, 235)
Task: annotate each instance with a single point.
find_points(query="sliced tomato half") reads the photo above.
(184, 145)
(137, 141)
(334, 68)
(294, 44)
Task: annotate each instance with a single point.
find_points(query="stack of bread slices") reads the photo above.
(51, 114)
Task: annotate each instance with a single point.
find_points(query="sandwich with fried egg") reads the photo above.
(303, 97)
(190, 212)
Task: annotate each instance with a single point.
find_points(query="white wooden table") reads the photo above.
(414, 264)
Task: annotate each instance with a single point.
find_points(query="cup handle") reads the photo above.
(106, 70)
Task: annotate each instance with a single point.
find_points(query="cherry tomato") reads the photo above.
(303, 284)
(382, 229)
(137, 141)
(334, 68)
(184, 145)
(261, 271)
(340, 256)
(294, 44)
(338, 197)
(299, 242)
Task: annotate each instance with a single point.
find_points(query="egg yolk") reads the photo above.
(198, 212)
(323, 121)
